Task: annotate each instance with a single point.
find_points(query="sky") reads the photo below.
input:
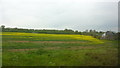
(101, 15)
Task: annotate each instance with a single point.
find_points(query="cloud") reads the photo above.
(60, 14)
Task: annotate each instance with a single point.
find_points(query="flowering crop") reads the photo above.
(51, 37)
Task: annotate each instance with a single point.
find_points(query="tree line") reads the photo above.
(94, 33)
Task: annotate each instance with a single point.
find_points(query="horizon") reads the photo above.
(59, 29)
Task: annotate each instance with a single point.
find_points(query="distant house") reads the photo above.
(108, 35)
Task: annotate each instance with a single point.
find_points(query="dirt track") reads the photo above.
(50, 41)
(54, 48)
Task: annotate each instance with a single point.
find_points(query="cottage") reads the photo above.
(108, 35)
(103, 36)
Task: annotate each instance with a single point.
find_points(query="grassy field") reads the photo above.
(32, 49)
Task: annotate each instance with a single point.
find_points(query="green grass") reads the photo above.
(89, 52)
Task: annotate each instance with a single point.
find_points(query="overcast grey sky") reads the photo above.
(60, 14)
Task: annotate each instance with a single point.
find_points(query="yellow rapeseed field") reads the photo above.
(56, 36)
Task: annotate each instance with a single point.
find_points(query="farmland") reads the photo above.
(33, 49)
